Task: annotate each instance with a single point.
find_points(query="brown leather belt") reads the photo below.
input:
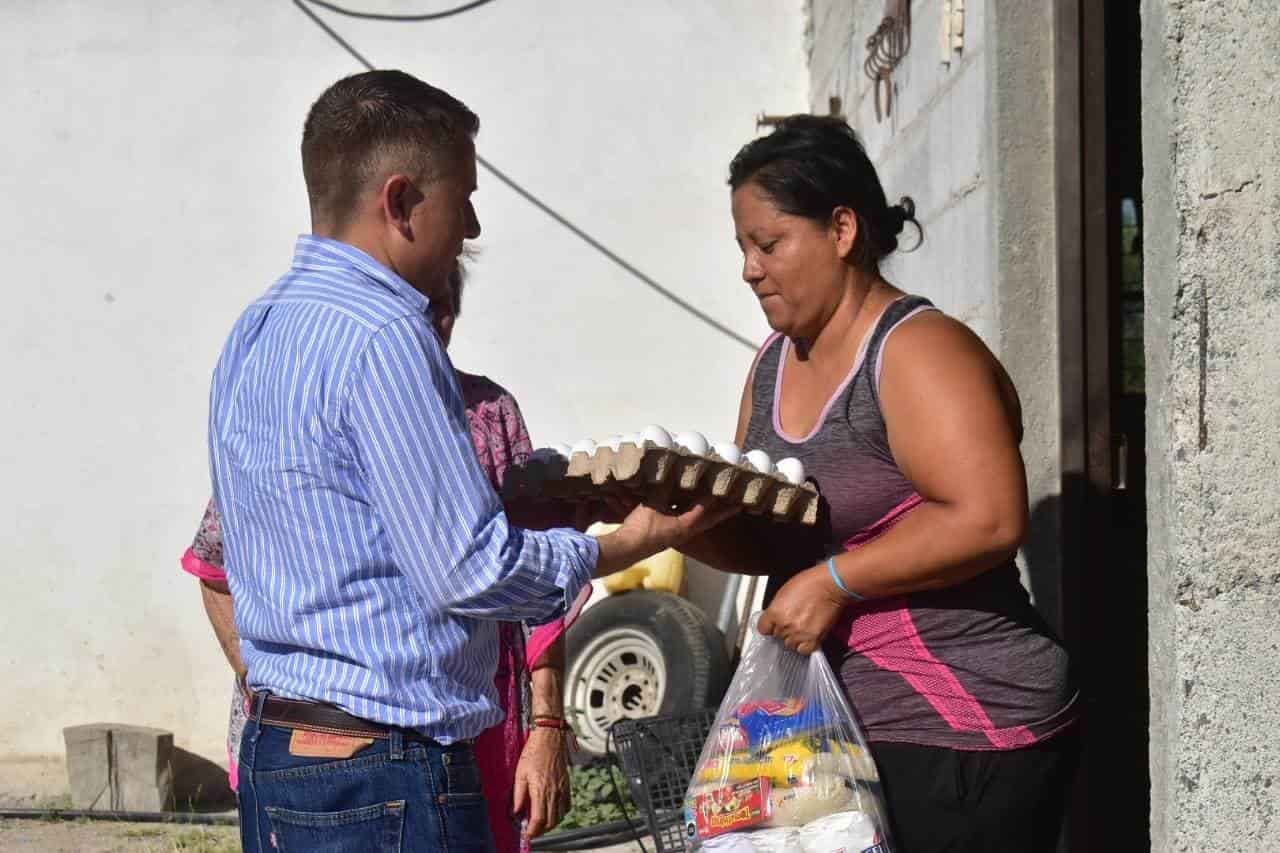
(319, 717)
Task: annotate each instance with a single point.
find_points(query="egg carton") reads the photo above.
(673, 476)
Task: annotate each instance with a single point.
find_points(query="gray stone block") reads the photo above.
(118, 767)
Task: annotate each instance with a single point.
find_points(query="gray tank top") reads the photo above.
(969, 667)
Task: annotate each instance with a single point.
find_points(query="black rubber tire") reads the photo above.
(693, 650)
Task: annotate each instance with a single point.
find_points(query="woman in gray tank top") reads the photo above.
(910, 428)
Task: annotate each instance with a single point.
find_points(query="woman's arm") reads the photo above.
(542, 774)
(216, 596)
(547, 681)
(953, 429)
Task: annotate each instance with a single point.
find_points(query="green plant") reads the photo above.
(595, 797)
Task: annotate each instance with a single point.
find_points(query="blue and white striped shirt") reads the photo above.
(367, 554)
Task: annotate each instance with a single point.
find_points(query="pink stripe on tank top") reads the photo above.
(884, 632)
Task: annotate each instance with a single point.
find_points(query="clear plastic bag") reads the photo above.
(785, 768)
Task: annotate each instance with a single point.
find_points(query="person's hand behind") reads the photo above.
(542, 789)
(647, 530)
(608, 508)
(804, 610)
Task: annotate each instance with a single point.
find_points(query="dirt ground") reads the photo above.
(42, 836)
(43, 784)
(102, 837)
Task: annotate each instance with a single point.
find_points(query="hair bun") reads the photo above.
(905, 211)
(908, 207)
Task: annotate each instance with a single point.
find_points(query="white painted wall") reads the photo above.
(152, 188)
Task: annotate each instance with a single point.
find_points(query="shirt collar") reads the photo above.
(312, 252)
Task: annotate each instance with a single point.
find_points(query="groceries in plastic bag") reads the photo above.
(785, 768)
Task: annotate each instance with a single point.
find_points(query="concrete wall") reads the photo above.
(152, 189)
(972, 143)
(1212, 202)
(934, 146)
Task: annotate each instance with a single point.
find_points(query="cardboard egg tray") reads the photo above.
(659, 475)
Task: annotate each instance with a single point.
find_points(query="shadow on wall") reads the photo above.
(1087, 566)
(1043, 556)
(200, 785)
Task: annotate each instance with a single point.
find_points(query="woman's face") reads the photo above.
(795, 266)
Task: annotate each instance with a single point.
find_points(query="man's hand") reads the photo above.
(647, 530)
(542, 780)
(804, 610)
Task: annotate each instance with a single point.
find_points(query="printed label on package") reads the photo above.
(738, 805)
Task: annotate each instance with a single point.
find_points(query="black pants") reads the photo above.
(947, 801)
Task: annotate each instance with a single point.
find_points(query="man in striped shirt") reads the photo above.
(367, 555)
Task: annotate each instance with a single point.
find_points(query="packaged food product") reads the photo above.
(785, 766)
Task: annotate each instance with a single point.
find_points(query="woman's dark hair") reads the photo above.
(809, 166)
(458, 276)
(457, 280)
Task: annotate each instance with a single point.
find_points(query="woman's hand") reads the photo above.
(542, 780)
(804, 610)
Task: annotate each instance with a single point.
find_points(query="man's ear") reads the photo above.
(398, 197)
(844, 230)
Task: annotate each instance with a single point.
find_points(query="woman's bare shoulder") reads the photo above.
(933, 335)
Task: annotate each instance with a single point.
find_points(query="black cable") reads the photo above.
(196, 818)
(604, 250)
(378, 16)
(368, 66)
(547, 209)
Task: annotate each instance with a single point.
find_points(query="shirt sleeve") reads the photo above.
(404, 418)
(204, 558)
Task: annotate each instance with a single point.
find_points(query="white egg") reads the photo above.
(613, 441)
(792, 469)
(563, 449)
(694, 442)
(760, 461)
(728, 451)
(586, 446)
(633, 438)
(657, 435)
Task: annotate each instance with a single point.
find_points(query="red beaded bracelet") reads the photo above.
(552, 723)
(559, 724)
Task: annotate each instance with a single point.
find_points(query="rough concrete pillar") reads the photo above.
(1211, 197)
(119, 767)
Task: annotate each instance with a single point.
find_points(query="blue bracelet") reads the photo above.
(835, 576)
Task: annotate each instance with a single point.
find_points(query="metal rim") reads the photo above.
(621, 674)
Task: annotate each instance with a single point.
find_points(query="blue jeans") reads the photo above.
(398, 794)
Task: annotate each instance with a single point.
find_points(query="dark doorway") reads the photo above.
(1104, 596)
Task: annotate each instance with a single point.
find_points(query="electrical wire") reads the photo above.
(551, 212)
(382, 16)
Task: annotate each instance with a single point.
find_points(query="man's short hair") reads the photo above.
(368, 122)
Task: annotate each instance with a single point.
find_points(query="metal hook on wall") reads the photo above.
(885, 49)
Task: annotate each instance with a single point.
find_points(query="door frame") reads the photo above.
(1085, 351)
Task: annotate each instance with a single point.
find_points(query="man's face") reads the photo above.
(441, 220)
